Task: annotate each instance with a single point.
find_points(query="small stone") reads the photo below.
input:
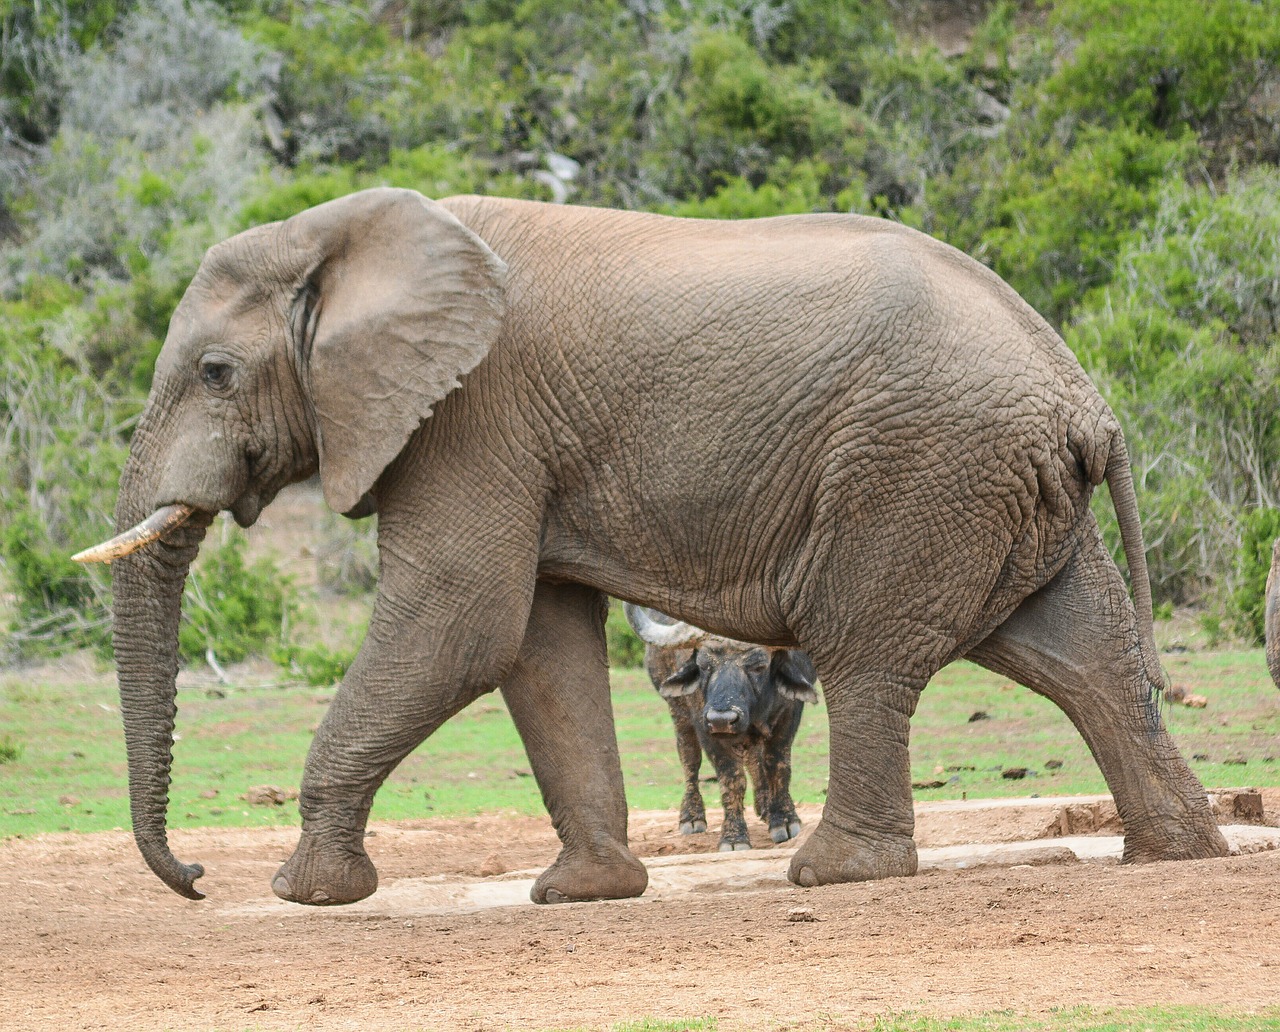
(1195, 701)
(1014, 773)
(68, 800)
(979, 715)
(928, 784)
(1052, 764)
(268, 795)
(493, 865)
(1200, 757)
(1236, 761)
(209, 793)
(801, 914)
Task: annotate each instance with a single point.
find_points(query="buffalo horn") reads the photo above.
(654, 632)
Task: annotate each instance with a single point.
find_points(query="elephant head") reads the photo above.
(315, 344)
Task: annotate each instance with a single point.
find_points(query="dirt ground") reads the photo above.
(91, 940)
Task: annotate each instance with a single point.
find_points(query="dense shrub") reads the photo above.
(1165, 65)
(59, 459)
(1184, 341)
(625, 649)
(234, 607)
(1248, 608)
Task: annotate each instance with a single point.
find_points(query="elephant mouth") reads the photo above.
(154, 527)
(247, 508)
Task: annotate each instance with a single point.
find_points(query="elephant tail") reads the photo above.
(1124, 499)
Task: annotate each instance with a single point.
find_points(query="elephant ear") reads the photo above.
(398, 300)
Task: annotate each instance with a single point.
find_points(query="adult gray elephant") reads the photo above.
(828, 432)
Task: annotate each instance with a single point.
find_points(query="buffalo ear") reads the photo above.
(397, 300)
(683, 682)
(794, 675)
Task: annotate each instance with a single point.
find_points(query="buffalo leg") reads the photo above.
(693, 812)
(733, 793)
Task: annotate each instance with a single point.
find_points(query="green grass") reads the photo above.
(1072, 1019)
(62, 762)
(1078, 1019)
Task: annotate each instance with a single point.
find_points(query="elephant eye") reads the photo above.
(215, 374)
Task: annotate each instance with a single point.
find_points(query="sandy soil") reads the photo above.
(92, 940)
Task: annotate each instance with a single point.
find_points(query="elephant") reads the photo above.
(827, 432)
(741, 704)
(1271, 614)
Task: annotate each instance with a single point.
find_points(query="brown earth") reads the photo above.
(90, 939)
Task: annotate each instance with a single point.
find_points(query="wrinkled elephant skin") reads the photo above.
(822, 432)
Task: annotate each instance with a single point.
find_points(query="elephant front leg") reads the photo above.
(419, 665)
(558, 695)
(372, 724)
(868, 821)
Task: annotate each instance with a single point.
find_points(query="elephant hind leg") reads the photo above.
(1076, 642)
(558, 695)
(868, 821)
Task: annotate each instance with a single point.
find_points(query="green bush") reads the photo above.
(1182, 340)
(625, 649)
(10, 749)
(59, 460)
(316, 664)
(1063, 215)
(1165, 65)
(232, 607)
(1259, 530)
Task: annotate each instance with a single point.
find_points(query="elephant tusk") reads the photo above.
(159, 523)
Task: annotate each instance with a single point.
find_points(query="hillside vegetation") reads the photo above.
(1116, 162)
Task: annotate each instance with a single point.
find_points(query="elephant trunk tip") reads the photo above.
(173, 872)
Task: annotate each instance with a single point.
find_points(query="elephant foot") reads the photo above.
(576, 879)
(785, 831)
(832, 856)
(325, 876)
(1198, 840)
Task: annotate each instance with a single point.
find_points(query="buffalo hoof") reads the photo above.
(784, 832)
(311, 877)
(573, 880)
(693, 827)
(734, 847)
(831, 856)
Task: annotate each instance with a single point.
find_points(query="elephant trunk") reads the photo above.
(1272, 624)
(147, 586)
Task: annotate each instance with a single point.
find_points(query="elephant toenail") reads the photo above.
(556, 896)
(807, 878)
(280, 886)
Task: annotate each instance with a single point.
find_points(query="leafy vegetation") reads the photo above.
(1116, 162)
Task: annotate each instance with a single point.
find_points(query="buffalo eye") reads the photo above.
(216, 374)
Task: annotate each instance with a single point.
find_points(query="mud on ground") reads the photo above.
(91, 940)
